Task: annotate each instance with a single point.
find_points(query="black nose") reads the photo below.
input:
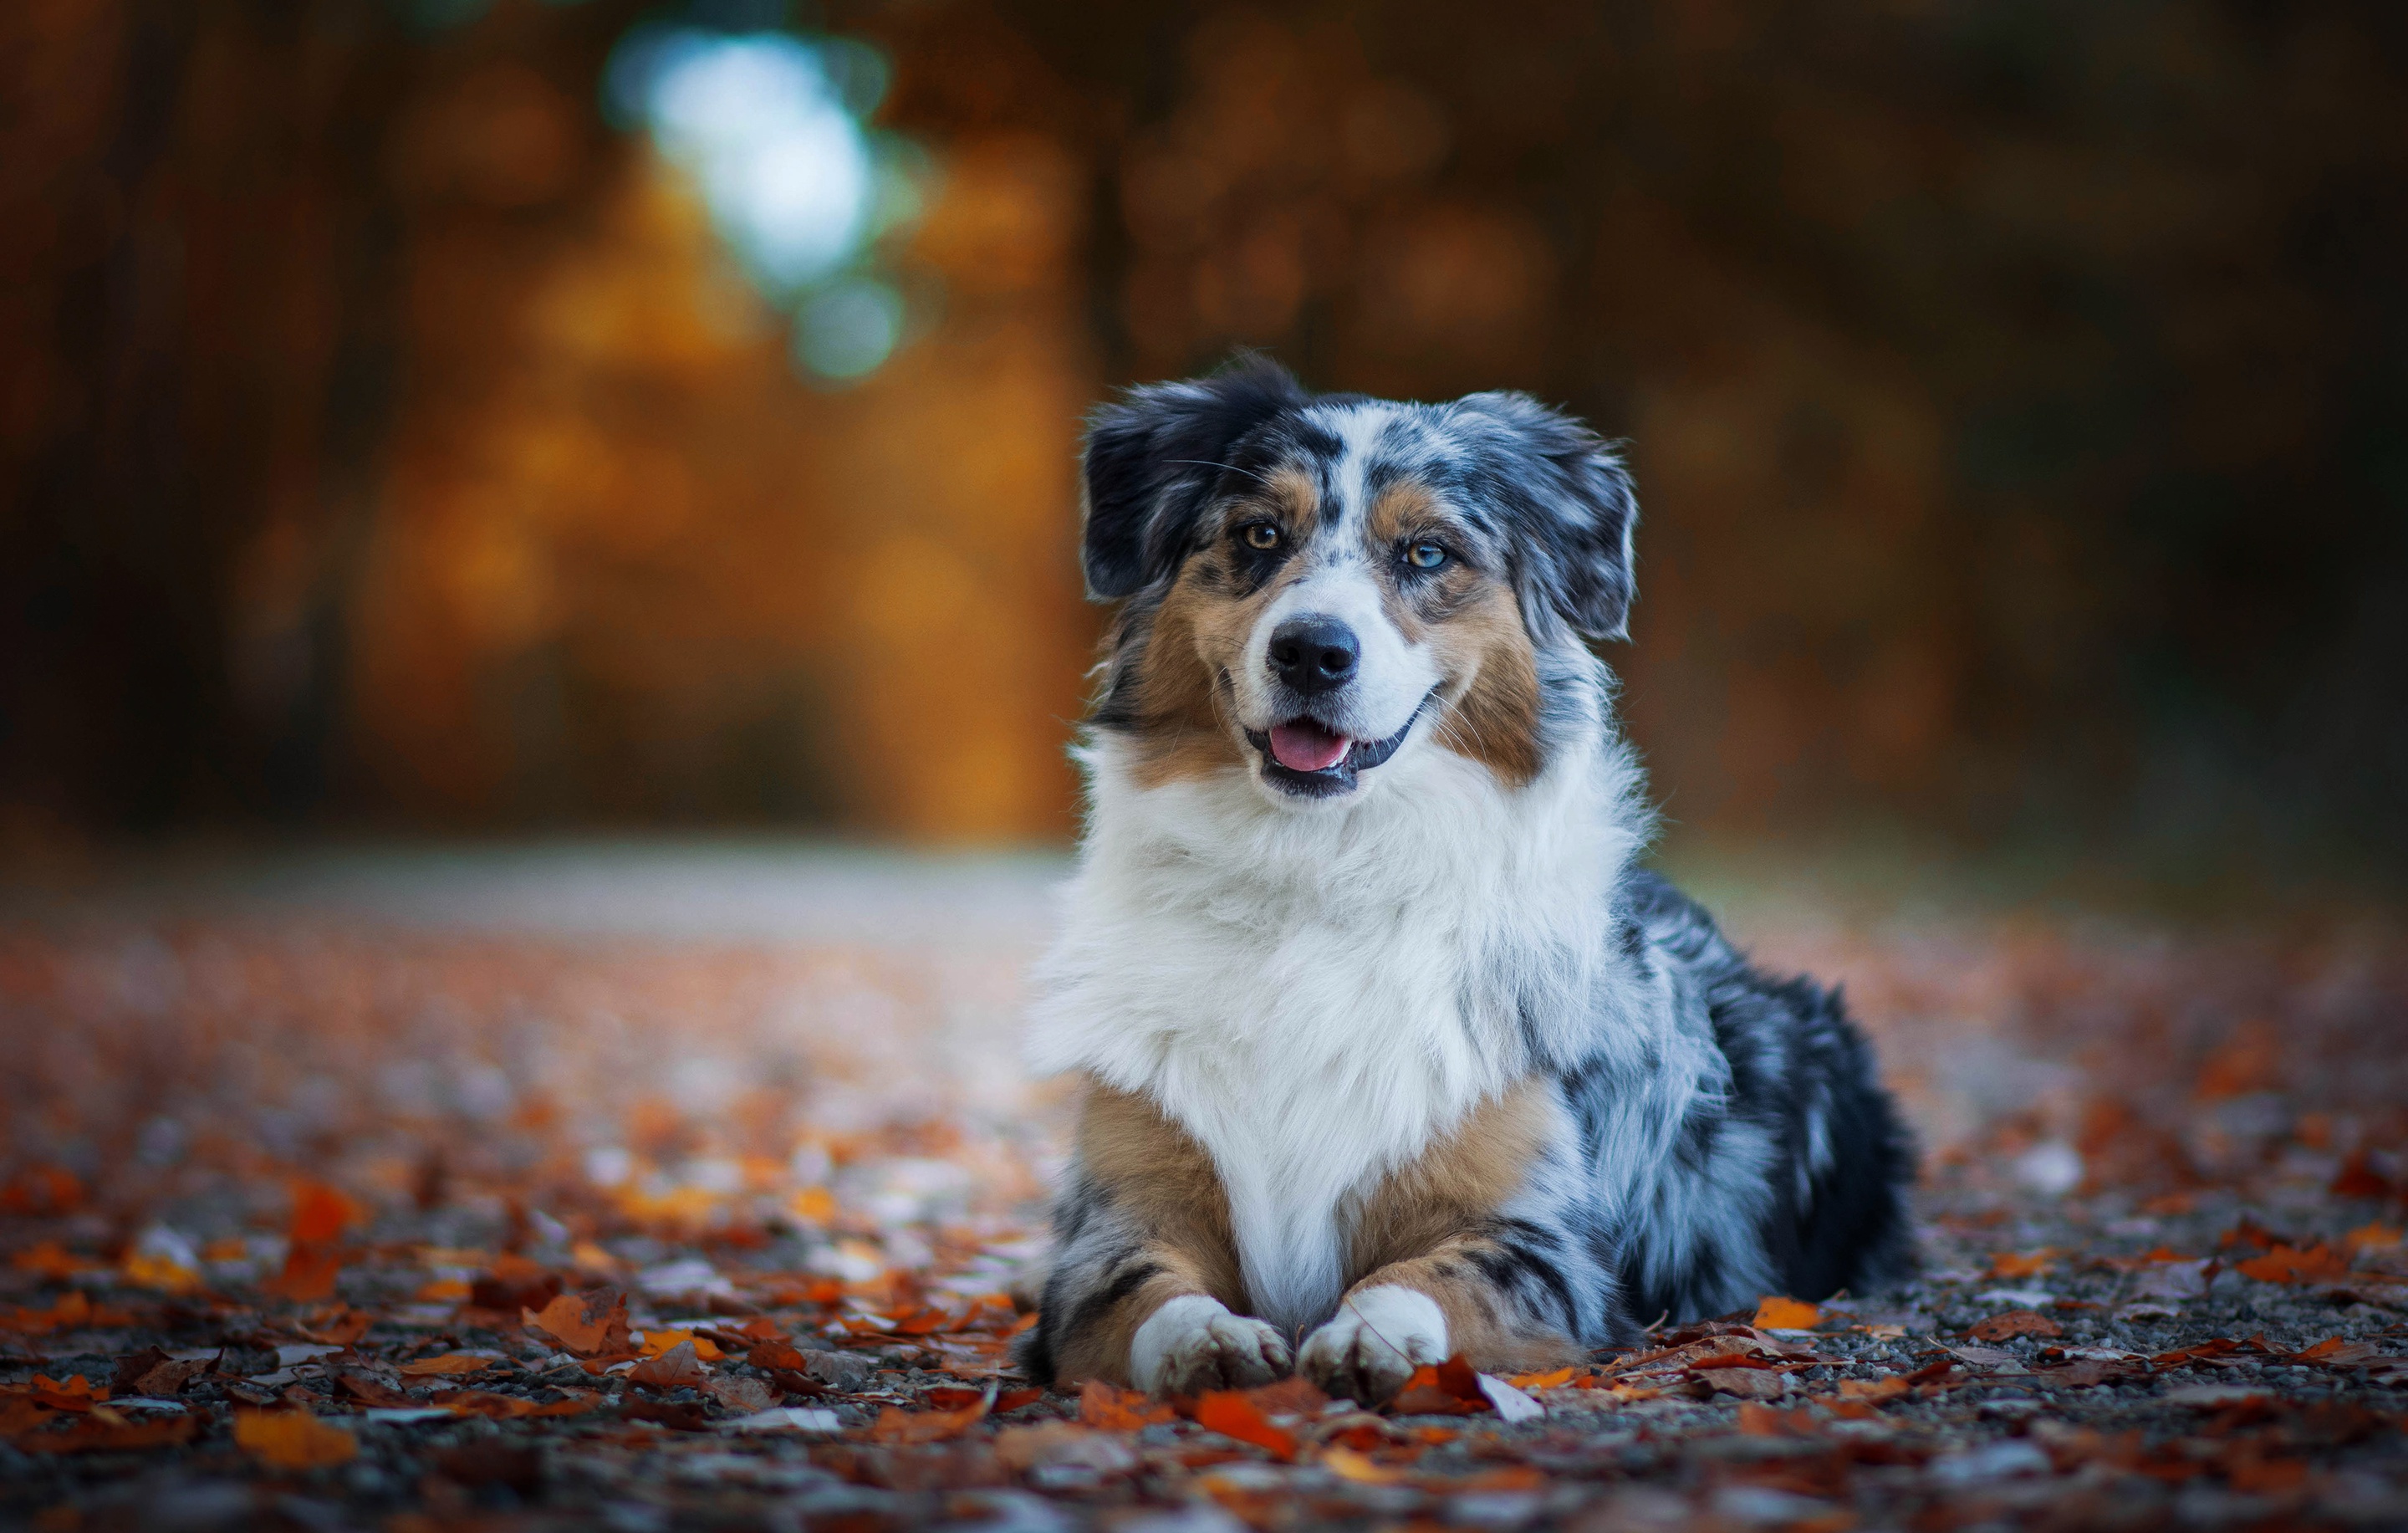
(1315, 654)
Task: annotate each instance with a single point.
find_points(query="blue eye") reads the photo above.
(1424, 555)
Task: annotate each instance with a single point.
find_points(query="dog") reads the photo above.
(1389, 1050)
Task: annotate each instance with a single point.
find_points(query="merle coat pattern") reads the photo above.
(1390, 1050)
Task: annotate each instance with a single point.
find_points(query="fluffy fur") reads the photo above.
(1403, 1056)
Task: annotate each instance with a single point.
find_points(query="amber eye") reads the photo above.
(1424, 555)
(1260, 535)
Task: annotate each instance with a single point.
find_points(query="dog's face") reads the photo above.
(1319, 584)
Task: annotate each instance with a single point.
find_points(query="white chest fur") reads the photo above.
(1315, 997)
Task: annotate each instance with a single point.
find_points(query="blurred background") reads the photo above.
(495, 417)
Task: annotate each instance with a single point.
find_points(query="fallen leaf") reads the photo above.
(321, 1214)
(676, 1368)
(1554, 1380)
(373, 1392)
(1441, 1389)
(1888, 1388)
(2289, 1264)
(73, 1393)
(1763, 1421)
(291, 1439)
(1998, 1327)
(1510, 1403)
(749, 1396)
(1775, 1312)
(658, 1342)
(587, 1323)
(2010, 1264)
(1347, 1464)
(1230, 1414)
(898, 1425)
(91, 1436)
(309, 1273)
(451, 1364)
(1748, 1383)
(1110, 1409)
(2358, 1178)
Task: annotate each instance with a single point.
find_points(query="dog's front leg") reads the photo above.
(1146, 1283)
(1486, 1294)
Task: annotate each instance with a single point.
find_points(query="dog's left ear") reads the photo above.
(1154, 459)
(1575, 509)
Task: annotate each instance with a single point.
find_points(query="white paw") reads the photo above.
(1371, 1346)
(1193, 1343)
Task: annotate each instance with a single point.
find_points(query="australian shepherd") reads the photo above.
(1389, 1050)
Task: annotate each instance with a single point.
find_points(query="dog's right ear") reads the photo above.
(1152, 460)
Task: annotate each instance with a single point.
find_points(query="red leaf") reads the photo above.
(1232, 1414)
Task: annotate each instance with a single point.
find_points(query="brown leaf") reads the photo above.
(1442, 1389)
(309, 1273)
(1748, 1383)
(291, 1439)
(676, 1368)
(449, 1365)
(2289, 1264)
(588, 1324)
(740, 1395)
(94, 1436)
(1998, 1327)
(371, 1391)
(896, 1425)
(1110, 1409)
(515, 1283)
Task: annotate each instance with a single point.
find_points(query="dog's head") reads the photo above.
(1316, 583)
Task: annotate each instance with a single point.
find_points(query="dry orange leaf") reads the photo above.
(896, 1426)
(1347, 1464)
(1872, 1389)
(1998, 1327)
(451, 1364)
(1448, 1388)
(657, 1343)
(1556, 1378)
(1779, 1312)
(2020, 1264)
(1764, 1420)
(73, 1393)
(321, 1214)
(1110, 1409)
(292, 1439)
(92, 1434)
(309, 1273)
(587, 1323)
(2373, 1236)
(2287, 1263)
(675, 1369)
(1232, 1414)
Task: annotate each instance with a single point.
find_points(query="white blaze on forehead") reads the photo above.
(1358, 428)
(1340, 578)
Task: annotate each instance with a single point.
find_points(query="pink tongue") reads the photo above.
(1306, 747)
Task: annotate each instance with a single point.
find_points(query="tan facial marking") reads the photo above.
(1495, 720)
(1155, 1175)
(1495, 716)
(1198, 632)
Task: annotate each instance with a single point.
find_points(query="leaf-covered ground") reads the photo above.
(689, 1190)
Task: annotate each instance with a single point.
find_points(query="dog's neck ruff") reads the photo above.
(1316, 996)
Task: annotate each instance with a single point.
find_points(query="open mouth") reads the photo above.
(1305, 755)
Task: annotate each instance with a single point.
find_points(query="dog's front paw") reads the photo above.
(1193, 1343)
(1372, 1345)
